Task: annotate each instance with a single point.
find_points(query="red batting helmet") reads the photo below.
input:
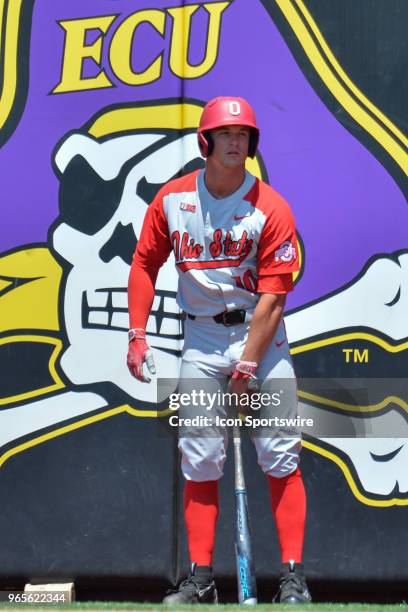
(226, 111)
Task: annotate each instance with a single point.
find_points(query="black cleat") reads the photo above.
(292, 585)
(198, 588)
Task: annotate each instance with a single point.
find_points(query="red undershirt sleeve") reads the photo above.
(151, 253)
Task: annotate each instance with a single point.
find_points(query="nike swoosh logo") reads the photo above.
(238, 218)
(278, 344)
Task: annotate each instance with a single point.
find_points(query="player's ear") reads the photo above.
(206, 143)
(202, 144)
(210, 141)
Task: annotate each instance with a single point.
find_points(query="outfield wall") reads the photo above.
(99, 105)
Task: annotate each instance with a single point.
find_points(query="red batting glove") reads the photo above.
(242, 376)
(139, 353)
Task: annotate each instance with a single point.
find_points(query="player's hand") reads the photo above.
(242, 377)
(139, 353)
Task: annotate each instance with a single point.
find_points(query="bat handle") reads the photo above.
(239, 472)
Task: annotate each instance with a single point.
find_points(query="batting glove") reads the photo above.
(139, 353)
(242, 376)
(245, 370)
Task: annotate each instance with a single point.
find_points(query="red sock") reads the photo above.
(288, 501)
(200, 513)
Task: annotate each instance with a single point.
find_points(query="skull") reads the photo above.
(105, 190)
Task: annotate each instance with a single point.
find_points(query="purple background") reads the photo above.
(347, 206)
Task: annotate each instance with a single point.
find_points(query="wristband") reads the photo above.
(136, 333)
(246, 368)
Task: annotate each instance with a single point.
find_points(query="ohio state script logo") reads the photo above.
(228, 246)
(186, 248)
(222, 243)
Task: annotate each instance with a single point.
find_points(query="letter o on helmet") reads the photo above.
(226, 111)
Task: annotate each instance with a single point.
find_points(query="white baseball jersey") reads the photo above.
(227, 250)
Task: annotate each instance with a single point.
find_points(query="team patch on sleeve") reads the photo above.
(286, 252)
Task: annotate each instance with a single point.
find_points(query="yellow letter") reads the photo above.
(347, 353)
(181, 35)
(121, 48)
(360, 356)
(75, 51)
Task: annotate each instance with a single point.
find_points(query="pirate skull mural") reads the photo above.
(105, 188)
(107, 181)
(108, 173)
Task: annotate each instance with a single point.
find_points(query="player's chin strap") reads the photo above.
(245, 370)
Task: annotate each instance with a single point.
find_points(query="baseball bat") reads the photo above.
(243, 551)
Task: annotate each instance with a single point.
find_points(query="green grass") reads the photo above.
(112, 605)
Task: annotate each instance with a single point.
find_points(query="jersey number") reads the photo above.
(248, 281)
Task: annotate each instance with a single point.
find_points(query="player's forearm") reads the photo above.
(140, 294)
(263, 326)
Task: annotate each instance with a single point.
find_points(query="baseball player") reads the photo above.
(235, 250)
